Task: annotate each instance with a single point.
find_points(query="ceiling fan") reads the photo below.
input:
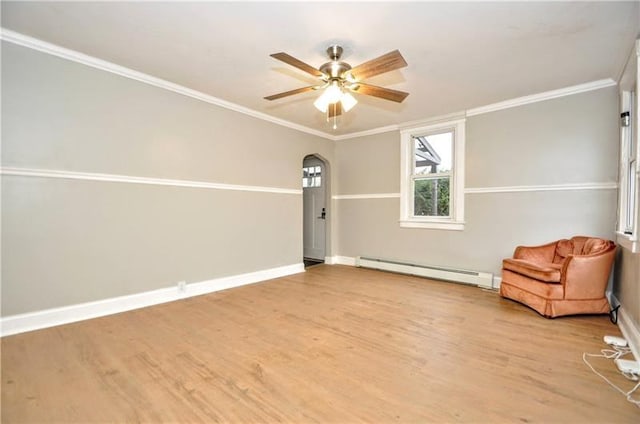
(339, 79)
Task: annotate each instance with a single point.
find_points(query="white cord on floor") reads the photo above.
(614, 354)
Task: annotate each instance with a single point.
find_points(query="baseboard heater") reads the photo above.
(481, 279)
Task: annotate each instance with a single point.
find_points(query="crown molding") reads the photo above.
(74, 56)
(403, 126)
(519, 101)
(540, 97)
(448, 118)
(365, 133)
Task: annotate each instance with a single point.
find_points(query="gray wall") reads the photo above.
(69, 241)
(571, 139)
(626, 286)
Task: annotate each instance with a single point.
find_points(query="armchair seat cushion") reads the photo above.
(547, 272)
(531, 286)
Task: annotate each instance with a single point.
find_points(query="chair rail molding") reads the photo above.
(488, 190)
(543, 187)
(116, 178)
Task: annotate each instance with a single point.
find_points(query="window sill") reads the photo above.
(434, 225)
(628, 242)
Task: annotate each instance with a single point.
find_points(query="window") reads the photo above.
(628, 201)
(432, 184)
(631, 162)
(312, 176)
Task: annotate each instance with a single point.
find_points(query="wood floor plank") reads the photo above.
(333, 344)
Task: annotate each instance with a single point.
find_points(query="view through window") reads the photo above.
(312, 176)
(432, 174)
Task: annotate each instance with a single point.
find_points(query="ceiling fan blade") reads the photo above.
(335, 109)
(385, 63)
(290, 60)
(381, 92)
(290, 93)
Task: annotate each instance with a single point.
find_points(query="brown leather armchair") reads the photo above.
(566, 277)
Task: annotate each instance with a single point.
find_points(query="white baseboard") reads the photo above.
(352, 261)
(475, 278)
(343, 260)
(630, 331)
(496, 282)
(21, 323)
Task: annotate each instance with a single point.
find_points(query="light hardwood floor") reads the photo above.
(335, 344)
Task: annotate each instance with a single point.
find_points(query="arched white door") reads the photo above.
(315, 212)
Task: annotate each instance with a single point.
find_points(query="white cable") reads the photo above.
(619, 352)
(614, 354)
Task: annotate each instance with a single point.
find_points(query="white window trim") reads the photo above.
(629, 241)
(456, 220)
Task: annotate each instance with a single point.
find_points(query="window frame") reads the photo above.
(313, 179)
(629, 202)
(629, 192)
(455, 220)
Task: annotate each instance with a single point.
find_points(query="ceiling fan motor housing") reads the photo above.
(335, 70)
(334, 52)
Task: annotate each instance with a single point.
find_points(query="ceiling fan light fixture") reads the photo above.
(332, 94)
(321, 103)
(348, 102)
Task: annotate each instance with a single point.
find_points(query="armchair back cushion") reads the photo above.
(564, 248)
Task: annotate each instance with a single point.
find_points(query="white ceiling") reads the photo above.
(460, 55)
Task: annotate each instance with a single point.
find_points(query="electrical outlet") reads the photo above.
(628, 367)
(615, 341)
(182, 286)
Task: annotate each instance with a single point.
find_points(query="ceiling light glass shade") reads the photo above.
(331, 94)
(321, 103)
(348, 102)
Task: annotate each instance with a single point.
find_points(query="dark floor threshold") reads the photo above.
(311, 262)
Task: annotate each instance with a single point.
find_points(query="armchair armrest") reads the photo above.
(586, 276)
(543, 253)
